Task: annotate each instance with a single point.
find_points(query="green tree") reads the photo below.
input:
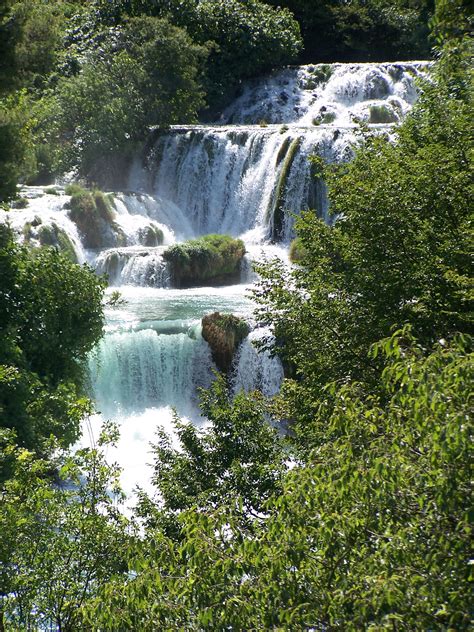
(246, 38)
(372, 532)
(147, 74)
(239, 455)
(50, 317)
(398, 251)
(15, 143)
(60, 540)
(362, 30)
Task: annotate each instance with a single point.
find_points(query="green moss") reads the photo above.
(103, 206)
(51, 191)
(321, 73)
(277, 208)
(27, 231)
(325, 118)
(381, 114)
(92, 212)
(223, 333)
(213, 259)
(297, 251)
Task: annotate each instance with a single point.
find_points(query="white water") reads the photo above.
(237, 177)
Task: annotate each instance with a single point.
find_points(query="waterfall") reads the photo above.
(134, 266)
(255, 369)
(247, 175)
(135, 370)
(234, 179)
(334, 94)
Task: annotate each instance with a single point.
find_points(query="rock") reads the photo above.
(223, 333)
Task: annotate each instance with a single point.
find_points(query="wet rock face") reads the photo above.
(223, 333)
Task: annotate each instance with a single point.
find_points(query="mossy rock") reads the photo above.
(325, 118)
(379, 114)
(210, 260)
(19, 203)
(93, 214)
(321, 73)
(150, 236)
(51, 191)
(54, 236)
(224, 333)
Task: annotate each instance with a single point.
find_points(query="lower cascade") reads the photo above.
(247, 176)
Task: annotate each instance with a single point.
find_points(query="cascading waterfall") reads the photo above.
(134, 266)
(241, 181)
(247, 176)
(254, 369)
(134, 370)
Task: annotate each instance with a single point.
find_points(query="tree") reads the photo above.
(50, 317)
(398, 251)
(60, 539)
(239, 455)
(372, 532)
(246, 38)
(146, 73)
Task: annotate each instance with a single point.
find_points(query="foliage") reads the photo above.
(238, 456)
(61, 539)
(371, 533)
(94, 216)
(213, 258)
(30, 36)
(50, 317)
(245, 37)
(249, 39)
(398, 252)
(362, 30)
(146, 73)
(15, 143)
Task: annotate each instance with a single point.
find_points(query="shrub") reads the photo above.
(92, 213)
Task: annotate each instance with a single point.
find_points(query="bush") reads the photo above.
(93, 215)
(212, 258)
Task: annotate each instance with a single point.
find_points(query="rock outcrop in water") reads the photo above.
(224, 333)
(209, 260)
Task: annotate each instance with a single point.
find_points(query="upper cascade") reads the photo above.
(331, 94)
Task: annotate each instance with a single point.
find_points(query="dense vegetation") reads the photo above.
(50, 317)
(359, 517)
(213, 259)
